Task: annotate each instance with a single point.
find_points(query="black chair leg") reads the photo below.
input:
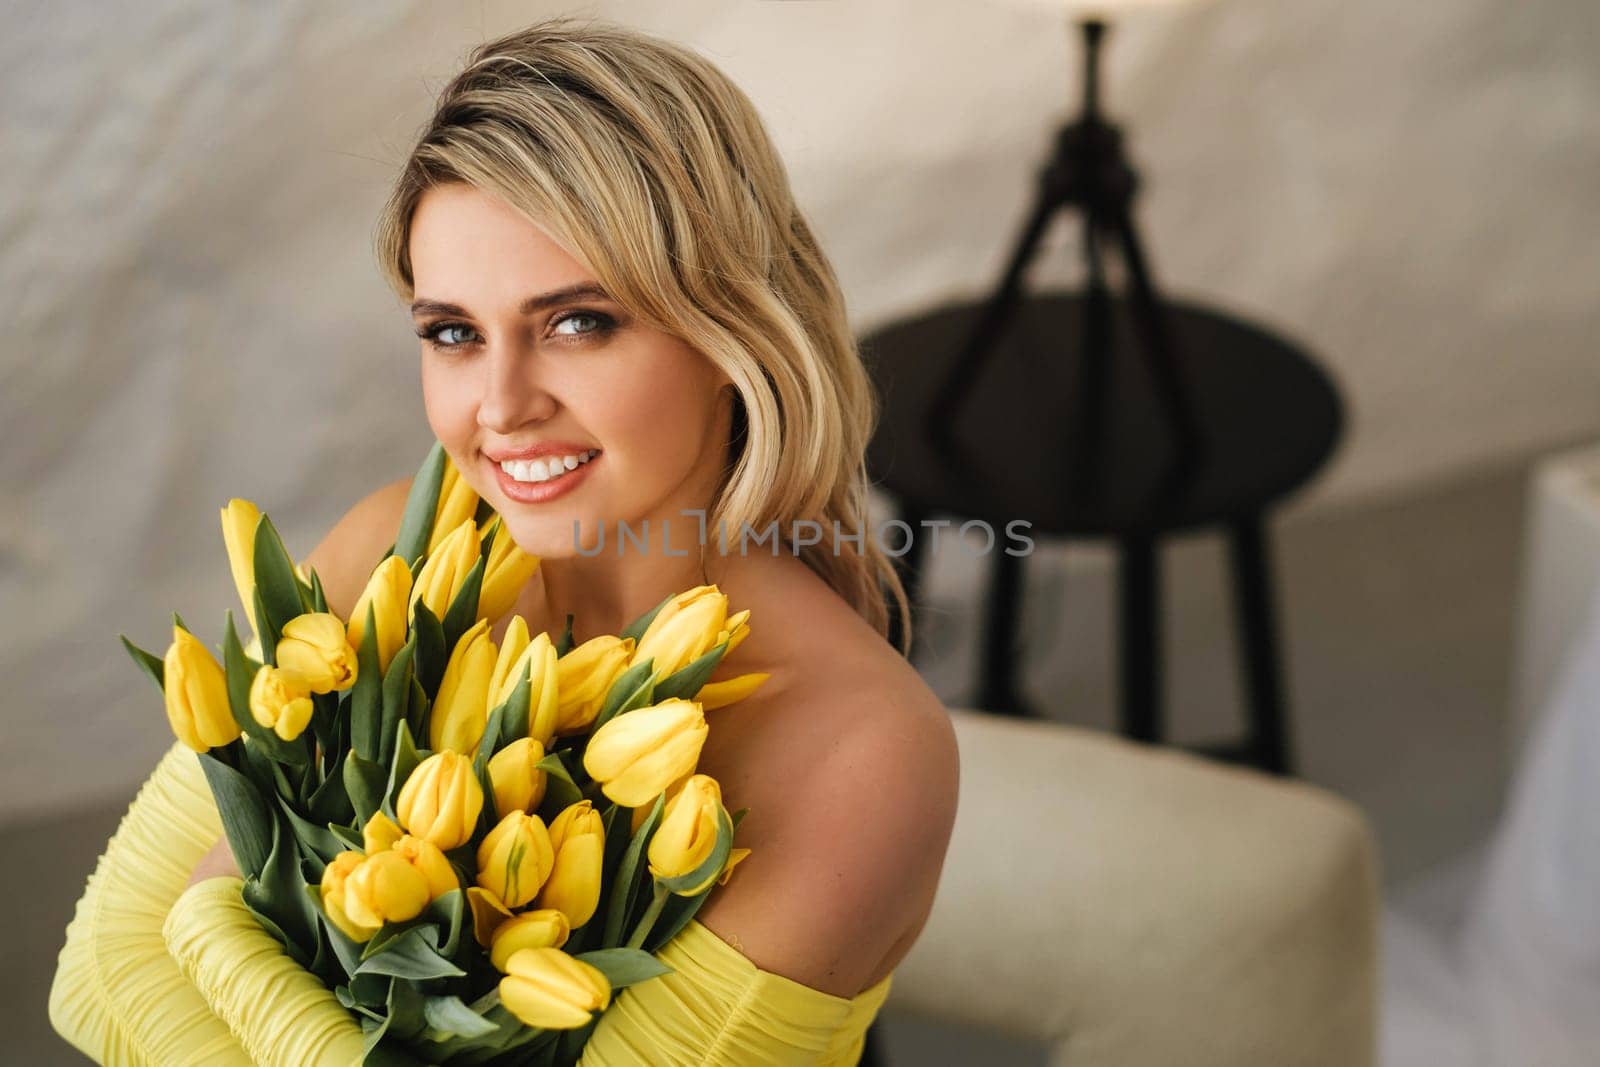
(1139, 647)
(1252, 577)
(997, 684)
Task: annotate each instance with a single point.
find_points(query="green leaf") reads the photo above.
(454, 917)
(246, 818)
(319, 840)
(684, 684)
(351, 837)
(276, 580)
(637, 627)
(486, 744)
(366, 696)
(330, 802)
(433, 655)
(240, 671)
(422, 505)
(406, 759)
(625, 889)
(564, 645)
(268, 630)
(462, 613)
(560, 791)
(451, 1016)
(396, 695)
(625, 966)
(152, 666)
(364, 783)
(319, 597)
(413, 955)
(634, 688)
(419, 710)
(279, 894)
(514, 718)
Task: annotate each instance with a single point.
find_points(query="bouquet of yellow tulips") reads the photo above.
(472, 846)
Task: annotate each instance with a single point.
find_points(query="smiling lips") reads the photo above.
(536, 471)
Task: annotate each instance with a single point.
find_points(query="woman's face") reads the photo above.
(510, 364)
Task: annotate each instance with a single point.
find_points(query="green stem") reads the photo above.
(651, 914)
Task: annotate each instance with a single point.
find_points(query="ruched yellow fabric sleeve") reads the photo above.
(718, 1009)
(117, 995)
(281, 1013)
(156, 974)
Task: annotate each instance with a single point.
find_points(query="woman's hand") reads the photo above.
(216, 863)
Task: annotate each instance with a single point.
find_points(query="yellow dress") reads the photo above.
(153, 973)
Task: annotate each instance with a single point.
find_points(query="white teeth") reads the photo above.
(542, 470)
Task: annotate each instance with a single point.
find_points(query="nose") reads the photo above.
(512, 395)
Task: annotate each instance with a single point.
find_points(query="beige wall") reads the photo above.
(192, 311)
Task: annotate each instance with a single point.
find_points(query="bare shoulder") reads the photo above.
(345, 557)
(851, 773)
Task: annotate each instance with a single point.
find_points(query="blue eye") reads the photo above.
(434, 335)
(603, 323)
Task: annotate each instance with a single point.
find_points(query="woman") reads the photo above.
(632, 347)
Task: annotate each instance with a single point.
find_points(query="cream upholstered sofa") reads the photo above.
(1131, 906)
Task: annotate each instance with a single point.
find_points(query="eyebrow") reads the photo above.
(587, 290)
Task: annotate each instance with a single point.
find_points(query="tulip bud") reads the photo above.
(539, 655)
(515, 858)
(506, 572)
(441, 800)
(578, 837)
(734, 631)
(430, 863)
(547, 988)
(314, 647)
(196, 694)
(585, 676)
(642, 812)
(637, 755)
(334, 877)
(239, 521)
(461, 709)
(544, 928)
(687, 834)
(687, 626)
(513, 772)
(380, 833)
(388, 593)
(458, 503)
(446, 569)
(721, 694)
(280, 701)
(384, 888)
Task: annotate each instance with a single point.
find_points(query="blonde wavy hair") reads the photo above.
(647, 163)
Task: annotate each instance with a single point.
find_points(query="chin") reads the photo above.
(549, 538)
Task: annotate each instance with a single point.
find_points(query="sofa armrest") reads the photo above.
(1137, 906)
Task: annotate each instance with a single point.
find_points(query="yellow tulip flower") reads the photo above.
(585, 675)
(446, 569)
(458, 503)
(239, 520)
(461, 709)
(196, 694)
(539, 655)
(686, 627)
(380, 833)
(384, 888)
(334, 878)
(280, 701)
(430, 863)
(314, 647)
(388, 593)
(734, 856)
(515, 858)
(688, 832)
(506, 571)
(518, 784)
(543, 928)
(638, 754)
(549, 988)
(441, 800)
(578, 836)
